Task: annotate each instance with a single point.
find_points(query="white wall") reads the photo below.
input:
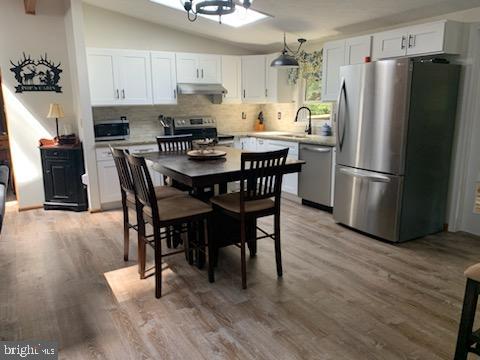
(108, 29)
(26, 112)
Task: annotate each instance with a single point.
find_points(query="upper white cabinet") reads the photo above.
(119, 77)
(357, 49)
(253, 79)
(440, 37)
(232, 78)
(333, 59)
(262, 83)
(199, 68)
(164, 78)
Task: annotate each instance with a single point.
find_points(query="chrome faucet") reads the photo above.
(308, 129)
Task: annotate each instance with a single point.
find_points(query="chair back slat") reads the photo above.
(263, 173)
(142, 182)
(124, 175)
(170, 143)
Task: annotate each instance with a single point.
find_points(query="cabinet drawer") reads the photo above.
(59, 154)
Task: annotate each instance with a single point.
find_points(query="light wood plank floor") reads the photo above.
(343, 295)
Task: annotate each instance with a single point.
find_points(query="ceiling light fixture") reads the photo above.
(288, 57)
(212, 8)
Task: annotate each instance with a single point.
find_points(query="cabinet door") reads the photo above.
(164, 78)
(357, 48)
(271, 79)
(60, 180)
(253, 78)
(232, 78)
(333, 59)
(108, 182)
(426, 38)
(390, 44)
(102, 77)
(187, 68)
(290, 181)
(210, 67)
(135, 77)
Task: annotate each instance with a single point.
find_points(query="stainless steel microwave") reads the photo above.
(116, 129)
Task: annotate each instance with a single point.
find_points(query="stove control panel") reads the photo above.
(195, 122)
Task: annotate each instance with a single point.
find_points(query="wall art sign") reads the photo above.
(36, 75)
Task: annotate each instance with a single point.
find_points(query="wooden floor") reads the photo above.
(343, 295)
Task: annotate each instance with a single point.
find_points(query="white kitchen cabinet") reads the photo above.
(253, 79)
(440, 37)
(262, 83)
(103, 78)
(135, 78)
(290, 181)
(164, 77)
(357, 49)
(119, 77)
(199, 68)
(333, 59)
(232, 79)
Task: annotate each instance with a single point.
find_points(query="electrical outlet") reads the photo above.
(244, 115)
(279, 115)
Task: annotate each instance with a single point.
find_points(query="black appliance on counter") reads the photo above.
(201, 127)
(109, 130)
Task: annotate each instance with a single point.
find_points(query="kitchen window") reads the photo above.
(312, 97)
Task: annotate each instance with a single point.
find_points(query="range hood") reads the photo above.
(214, 91)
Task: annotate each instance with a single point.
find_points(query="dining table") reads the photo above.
(202, 176)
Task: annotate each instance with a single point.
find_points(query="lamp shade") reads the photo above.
(55, 112)
(285, 61)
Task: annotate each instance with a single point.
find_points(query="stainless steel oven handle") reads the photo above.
(365, 175)
(337, 114)
(316, 149)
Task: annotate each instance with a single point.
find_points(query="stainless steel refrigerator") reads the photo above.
(394, 124)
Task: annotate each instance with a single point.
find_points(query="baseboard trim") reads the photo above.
(31, 207)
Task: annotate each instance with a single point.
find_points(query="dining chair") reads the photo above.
(164, 213)
(128, 196)
(259, 196)
(175, 143)
(469, 340)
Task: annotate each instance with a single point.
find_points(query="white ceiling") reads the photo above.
(312, 19)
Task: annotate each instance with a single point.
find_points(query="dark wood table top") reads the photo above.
(197, 173)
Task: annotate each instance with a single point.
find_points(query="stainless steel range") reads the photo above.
(201, 127)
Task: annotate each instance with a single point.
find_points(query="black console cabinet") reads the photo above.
(62, 171)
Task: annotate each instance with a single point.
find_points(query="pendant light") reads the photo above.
(212, 7)
(288, 57)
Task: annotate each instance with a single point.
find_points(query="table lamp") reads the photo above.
(56, 112)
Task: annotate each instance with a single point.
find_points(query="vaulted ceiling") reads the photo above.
(312, 19)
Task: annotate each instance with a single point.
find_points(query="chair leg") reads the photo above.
(242, 250)
(201, 245)
(142, 249)
(126, 232)
(168, 234)
(278, 251)
(158, 262)
(211, 250)
(467, 319)
(252, 236)
(189, 242)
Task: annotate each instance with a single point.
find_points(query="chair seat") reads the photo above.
(231, 202)
(179, 207)
(161, 192)
(473, 272)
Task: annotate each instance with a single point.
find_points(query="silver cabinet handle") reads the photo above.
(404, 40)
(365, 175)
(198, 74)
(202, 73)
(118, 94)
(316, 149)
(123, 93)
(266, 92)
(411, 41)
(244, 93)
(174, 93)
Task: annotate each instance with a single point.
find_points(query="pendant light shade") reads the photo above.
(287, 58)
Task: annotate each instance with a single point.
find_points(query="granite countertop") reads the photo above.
(130, 142)
(288, 136)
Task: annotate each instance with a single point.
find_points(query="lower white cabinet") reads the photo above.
(290, 181)
(109, 185)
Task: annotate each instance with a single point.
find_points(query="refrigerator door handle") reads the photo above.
(337, 117)
(365, 175)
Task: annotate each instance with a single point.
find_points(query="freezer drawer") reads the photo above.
(368, 201)
(315, 180)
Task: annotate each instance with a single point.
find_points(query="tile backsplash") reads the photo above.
(144, 119)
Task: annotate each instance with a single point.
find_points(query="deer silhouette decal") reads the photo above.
(36, 75)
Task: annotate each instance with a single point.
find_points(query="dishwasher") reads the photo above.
(315, 179)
